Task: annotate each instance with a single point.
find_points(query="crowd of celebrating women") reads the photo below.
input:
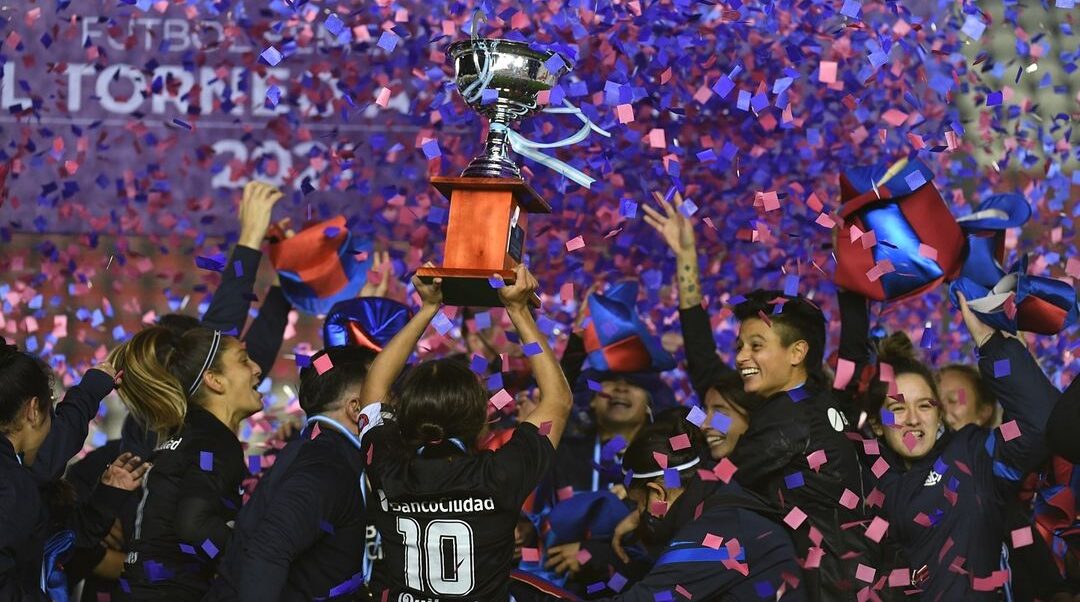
(863, 473)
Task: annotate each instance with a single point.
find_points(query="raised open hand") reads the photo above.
(675, 227)
(255, 209)
(380, 275)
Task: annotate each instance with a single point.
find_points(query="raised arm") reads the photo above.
(854, 345)
(574, 355)
(1064, 424)
(1025, 394)
(703, 365)
(229, 307)
(392, 359)
(555, 397)
(71, 422)
(263, 339)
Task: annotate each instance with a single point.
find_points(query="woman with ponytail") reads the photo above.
(38, 527)
(946, 494)
(193, 390)
(447, 513)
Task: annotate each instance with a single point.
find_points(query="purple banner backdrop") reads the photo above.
(133, 121)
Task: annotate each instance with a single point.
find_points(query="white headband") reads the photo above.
(214, 344)
(656, 473)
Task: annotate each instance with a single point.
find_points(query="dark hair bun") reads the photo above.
(897, 347)
(430, 433)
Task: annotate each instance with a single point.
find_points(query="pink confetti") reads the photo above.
(680, 442)
(1022, 537)
(825, 221)
(877, 529)
(795, 518)
(575, 243)
(849, 499)
(865, 573)
(1009, 430)
(880, 269)
(845, 369)
(724, 470)
(383, 98)
(816, 459)
(827, 72)
(900, 578)
(656, 138)
(323, 364)
(894, 117)
(661, 459)
(500, 399)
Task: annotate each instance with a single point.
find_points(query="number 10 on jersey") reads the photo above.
(444, 555)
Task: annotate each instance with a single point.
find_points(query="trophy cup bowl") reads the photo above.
(517, 73)
(490, 202)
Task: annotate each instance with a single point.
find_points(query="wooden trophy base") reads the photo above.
(468, 287)
(485, 236)
(462, 286)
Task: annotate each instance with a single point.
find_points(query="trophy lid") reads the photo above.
(515, 70)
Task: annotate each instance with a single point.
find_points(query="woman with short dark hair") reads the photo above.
(39, 524)
(714, 540)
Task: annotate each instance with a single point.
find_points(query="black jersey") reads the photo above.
(447, 523)
(189, 499)
(302, 534)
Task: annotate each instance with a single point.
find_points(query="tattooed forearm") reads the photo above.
(689, 280)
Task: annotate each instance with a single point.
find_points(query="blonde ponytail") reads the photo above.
(152, 394)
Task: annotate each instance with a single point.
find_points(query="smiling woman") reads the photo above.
(781, 342)
(911, 418)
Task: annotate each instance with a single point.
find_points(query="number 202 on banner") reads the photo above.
(273, 163)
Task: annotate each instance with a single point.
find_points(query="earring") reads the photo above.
(940, 430)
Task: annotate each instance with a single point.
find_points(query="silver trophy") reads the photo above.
(517, 73)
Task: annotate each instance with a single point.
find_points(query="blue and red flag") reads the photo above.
(365, 321)
(319, 266)
(616, 339)
(1019, 301)
(899, 238)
